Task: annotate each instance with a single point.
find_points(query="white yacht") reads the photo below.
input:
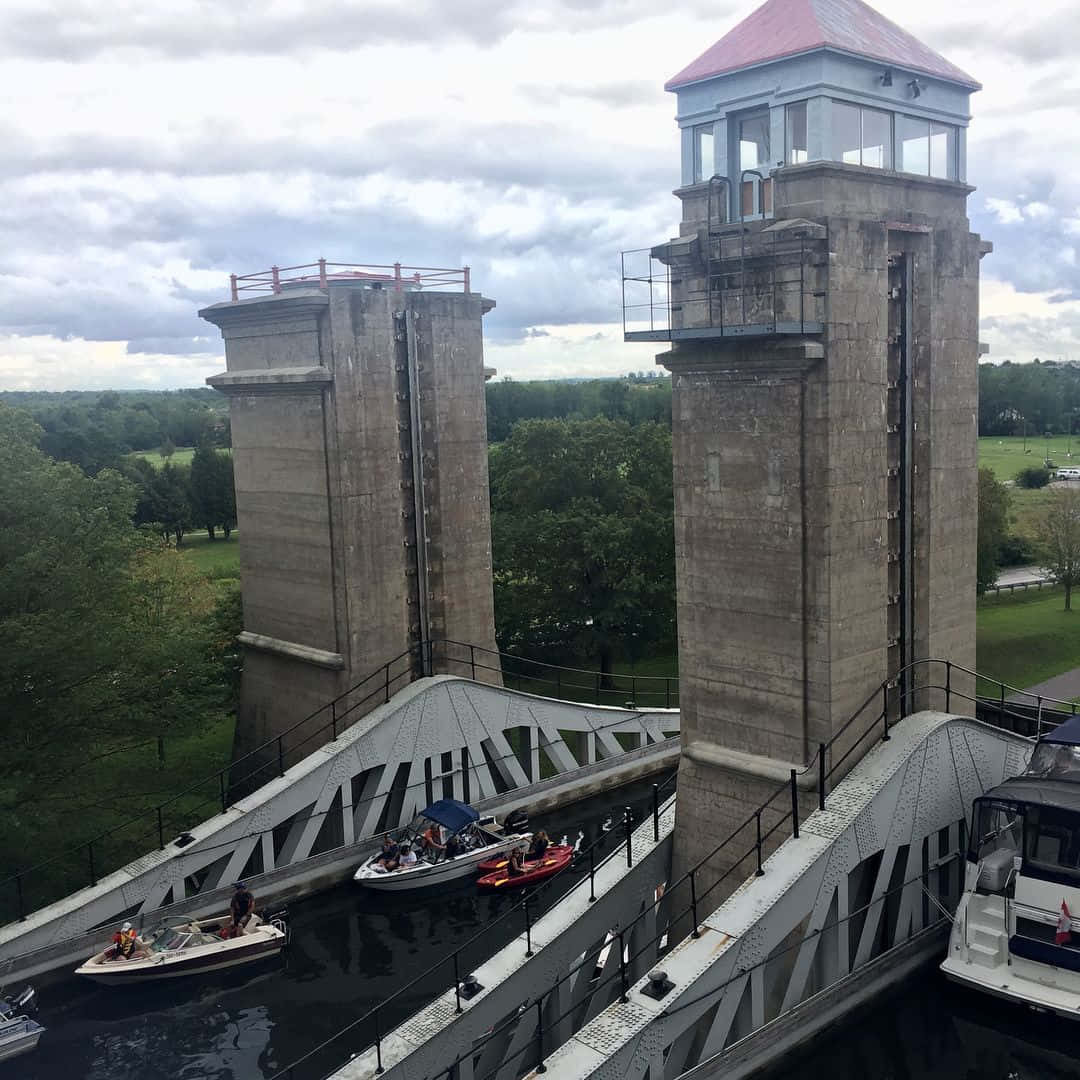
(1016, 933)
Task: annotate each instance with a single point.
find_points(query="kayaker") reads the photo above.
(514, 866)
(538, 847)
(241, 907)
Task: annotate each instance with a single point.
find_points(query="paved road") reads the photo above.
(1019, 575)
(1064, 687)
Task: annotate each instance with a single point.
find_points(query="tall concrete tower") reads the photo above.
(360, 446)
(821, 302)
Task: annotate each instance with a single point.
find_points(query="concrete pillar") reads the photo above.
(791, 528)
(360, 451)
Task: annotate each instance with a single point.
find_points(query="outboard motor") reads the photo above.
(516, 820)
(24, 1003)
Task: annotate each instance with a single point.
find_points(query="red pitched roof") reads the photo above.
(786, 27)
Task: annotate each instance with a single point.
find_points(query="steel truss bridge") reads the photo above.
(842, 879)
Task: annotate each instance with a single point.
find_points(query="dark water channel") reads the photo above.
(350, 949)
(930, 1029)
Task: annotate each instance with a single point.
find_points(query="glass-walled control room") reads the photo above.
(747, 146)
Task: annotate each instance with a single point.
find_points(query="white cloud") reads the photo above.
(167, 144)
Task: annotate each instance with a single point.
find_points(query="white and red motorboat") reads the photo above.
(192, 947)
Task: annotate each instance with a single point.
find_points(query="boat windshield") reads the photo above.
(1055, 761)
(168, 939)
(1052, 840)
(997, 828)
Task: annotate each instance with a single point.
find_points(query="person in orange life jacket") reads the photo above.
(124, 942)
(432, 842)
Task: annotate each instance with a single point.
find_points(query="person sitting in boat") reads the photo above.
(241, 908)
(388, 857)
(124, 942)
(515, 866)
(432, 841)
(407, 857)
(538, 847)
(453, 846)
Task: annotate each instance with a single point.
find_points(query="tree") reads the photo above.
(213, 499)
(993, 527)
(1058, 536)
(108, 642)
(582, 538)
(168, 448)
(170, 502)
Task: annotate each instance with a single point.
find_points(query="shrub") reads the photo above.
(1033, 477)
(1016, 550)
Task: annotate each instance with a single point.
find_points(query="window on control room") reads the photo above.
(703, 152)
(796, 147)
(928, 148)
(754, 141)
(861, 136)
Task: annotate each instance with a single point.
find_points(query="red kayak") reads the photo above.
(496, 876)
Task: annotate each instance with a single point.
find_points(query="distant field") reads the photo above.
(1006, 456)
(216, 558)
(181, 456)
(1025, 638)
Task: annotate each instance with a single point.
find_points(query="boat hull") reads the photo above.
(553, 861)
(180, 968)
(18, 1036)
(260, 941)
(426, 875)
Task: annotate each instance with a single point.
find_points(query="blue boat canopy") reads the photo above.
(451, 814)
(1067, 733)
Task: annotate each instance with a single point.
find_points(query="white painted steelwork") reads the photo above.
(879, 867)
(439, 737)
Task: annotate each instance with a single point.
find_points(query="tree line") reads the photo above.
(111, 642)
(1040, 397)
(96, 429)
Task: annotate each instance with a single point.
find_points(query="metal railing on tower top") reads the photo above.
(376, 275)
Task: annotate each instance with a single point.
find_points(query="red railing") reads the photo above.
(320, 274)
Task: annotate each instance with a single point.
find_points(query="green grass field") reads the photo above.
(1006, 456)
(1025, 638)
(181, 456)
(216, 558)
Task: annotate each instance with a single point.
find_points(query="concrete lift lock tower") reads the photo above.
(356, 396)
(821, 304)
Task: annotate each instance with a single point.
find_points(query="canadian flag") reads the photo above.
(1064, 925)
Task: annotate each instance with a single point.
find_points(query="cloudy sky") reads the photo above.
(150, 147)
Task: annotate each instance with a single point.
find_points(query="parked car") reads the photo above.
(1067, 474)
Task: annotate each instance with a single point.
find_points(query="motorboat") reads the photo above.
(19, 1031)
(1016, 933)
(477, 839)
(498, 874)
(189, 947)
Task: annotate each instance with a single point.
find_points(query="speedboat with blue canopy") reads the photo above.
(448, 840)
(1016, 933)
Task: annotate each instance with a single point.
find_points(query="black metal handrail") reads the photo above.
(891, 694)
(270, 756)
